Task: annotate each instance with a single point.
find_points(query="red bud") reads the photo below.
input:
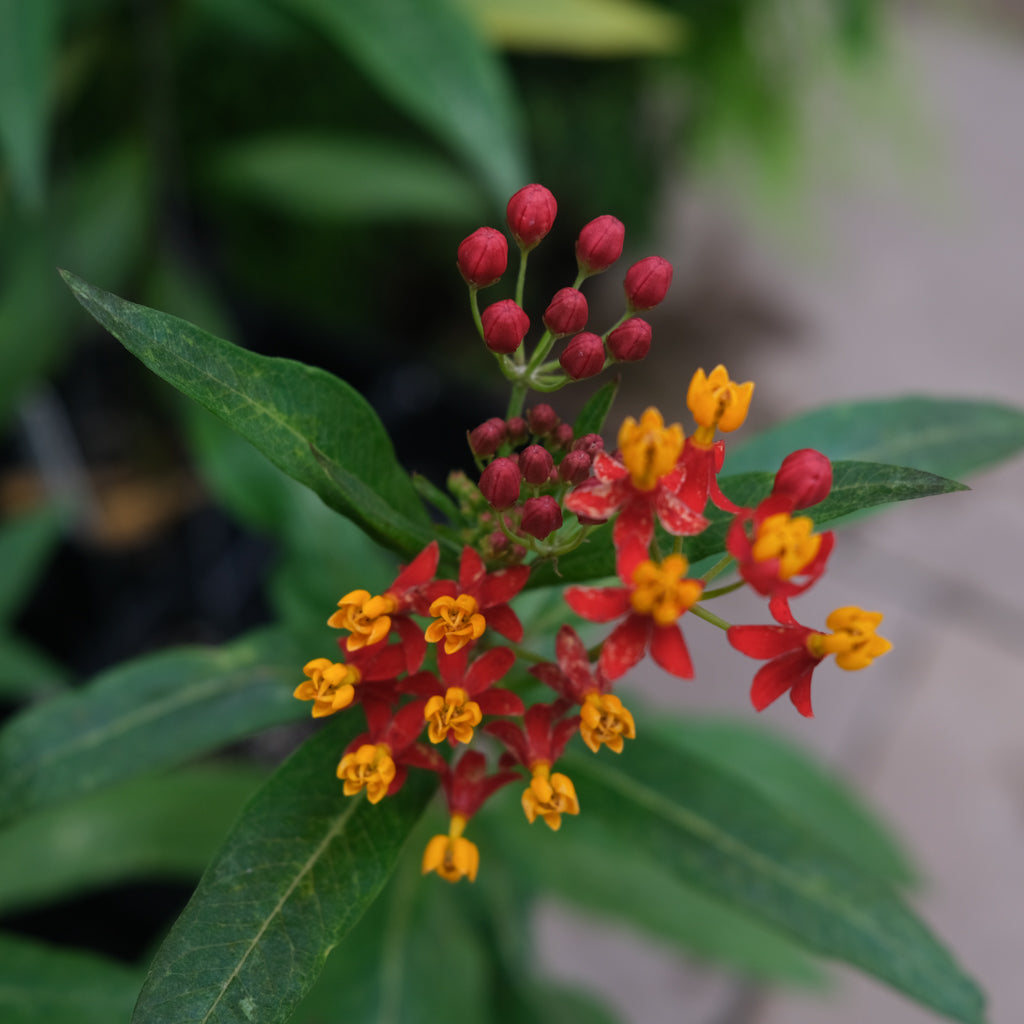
(531, 212)
(583, 356)
(541, 516)
(488, 437)
(542, 419)
(535, 463)
(499, 483)
(567, 312)
(517, 429)
(505, 325)
(647, 282)
(600, 244)
(575, 467)
(589, 443)
(630, 341)
(562, 436)
(483, 257)
(805, 478)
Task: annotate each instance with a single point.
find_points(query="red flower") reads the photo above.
(542, 737)
(654, 597)
(701, 465)
(777, 554)
(467, 786)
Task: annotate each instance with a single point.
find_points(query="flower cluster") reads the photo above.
(543, 489)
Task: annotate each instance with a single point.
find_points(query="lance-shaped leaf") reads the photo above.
(61, 986)
(156, 711)
(855, 486)
(285, 409)
(593, 414)
(297, 871)
(715, 832)
(427, 57)
(949, 436)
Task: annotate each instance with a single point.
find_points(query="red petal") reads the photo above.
(414, 644)
(512, 736)
(471, 570)
(418, 571)
(594, 499)
(767, 641)
(668, 649)
(500, 702)
(419, 755)
(625, 646)
(502, 619)
(608, 469)
(488, 669)
(736, 541)
(563, 732)
(572, 658)
(406, 726)
(553, 676)
(452, 666)
(423, 684)
(502, 586)
(800, 695)
(720, 499)
(676, 516)
(598, 604)
(775, 678)
(378, 718)
(631, 536)
(384, 664)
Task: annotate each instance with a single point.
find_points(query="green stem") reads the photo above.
(474, 305)
(703, 613)
(718, 568)
(709, 594)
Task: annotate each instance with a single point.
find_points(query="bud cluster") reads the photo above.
(504, 324)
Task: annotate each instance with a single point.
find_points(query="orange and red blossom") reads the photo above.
(458, 701)
(369, 619)
(549, 796)
(777, 553)
(640, 485)
(466, 786)
(480, 599)
(656, 594)
(603, 717)
(794, 651)
(332, 685)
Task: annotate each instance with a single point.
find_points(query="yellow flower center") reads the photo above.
(367, 618)
(331, 685)
(662, 591)
(371, 767)
(649, 448)
(549, 796)
(452, 856)
(717, 403)
(787, 539)
(603, 719)
(454, 711)
(853, 640)
(456, 621)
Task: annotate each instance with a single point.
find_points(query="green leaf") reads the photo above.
(392, 966)
(592, 863)
(855, 486)
(166, 827)
(593, 414)
(28, 43)
(26, 544)
(795, 782)
(427, 57)
(580, 28)
(155, 711)
(296, 873)
(43, 983)
(26, 671)
(539, 1001)
(719, 834)
(327, 178)
(948, 436)
(285, 409)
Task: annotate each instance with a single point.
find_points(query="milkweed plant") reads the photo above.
(449, 699)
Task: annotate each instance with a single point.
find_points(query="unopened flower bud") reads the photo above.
(483, 257)
(531, 212)
(562, 435)
(630, 341)
(505, 325)
(600, 244)
(589, 443)
(583, 356)
(647, 282)
(805, 478)
(541, 516)
(488, 437)
(517, 429)
(542, 419)
(499, 483)
(567, 312)
(535, 463)
(497, 542)
(575, 467)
